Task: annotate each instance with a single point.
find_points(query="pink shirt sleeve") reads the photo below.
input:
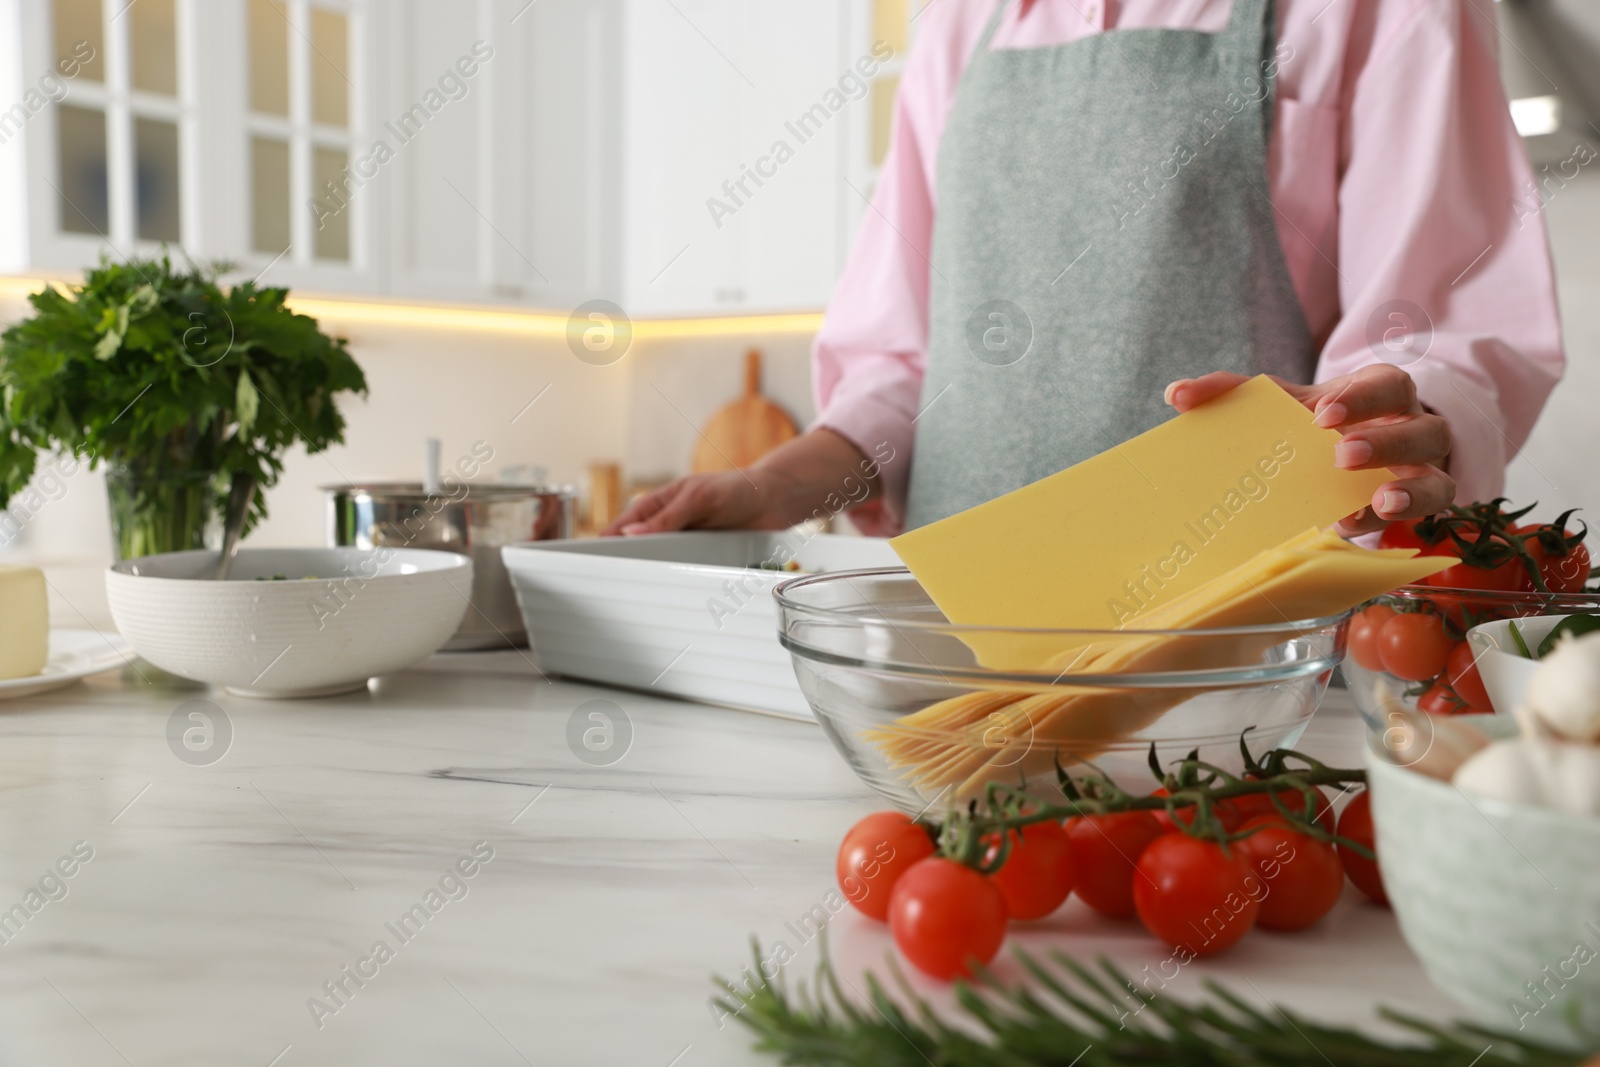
(868, 358)
(1436, 214)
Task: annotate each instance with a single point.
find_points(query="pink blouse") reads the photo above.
(1396, 173)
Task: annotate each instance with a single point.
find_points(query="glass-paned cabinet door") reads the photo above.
(78, 39)
(120, 142)
(893, 22)
(303, 100)
(891, 25)
(883, 30)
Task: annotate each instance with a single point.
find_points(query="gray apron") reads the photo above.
(1103, 229)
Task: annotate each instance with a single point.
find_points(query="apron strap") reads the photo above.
(1252, 32)
(1250, 43)
(1249, 21)
(988, 30)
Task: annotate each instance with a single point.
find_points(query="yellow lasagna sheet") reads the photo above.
(1114, 540)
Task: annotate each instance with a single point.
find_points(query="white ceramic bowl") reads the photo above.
(337, 617)
(1500, 901)
(1504, 669)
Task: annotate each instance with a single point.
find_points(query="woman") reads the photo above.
(1094, 212)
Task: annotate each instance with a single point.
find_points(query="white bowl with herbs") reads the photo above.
(1508, 652)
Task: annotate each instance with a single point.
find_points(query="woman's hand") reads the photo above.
(721, 500)
(817, 471)
(1383, 424)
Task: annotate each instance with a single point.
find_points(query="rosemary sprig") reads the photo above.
(1090, 1018)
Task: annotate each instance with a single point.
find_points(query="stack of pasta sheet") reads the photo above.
(1176, 570)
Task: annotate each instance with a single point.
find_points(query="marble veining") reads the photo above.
(225, 896)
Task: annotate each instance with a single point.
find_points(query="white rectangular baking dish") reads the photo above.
(679, 613)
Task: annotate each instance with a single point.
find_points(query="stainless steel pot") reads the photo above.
(473, 519)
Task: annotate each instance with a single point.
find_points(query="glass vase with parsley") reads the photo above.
(182, 389)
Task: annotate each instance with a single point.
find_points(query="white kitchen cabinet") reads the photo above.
(785, 249)
(677, 145)
(681, 157)
(462, 214)
(341, 146)
(730, 196)
(101, 144)
(191, 130)
(648, 123)
(437, 178)
(688, 157)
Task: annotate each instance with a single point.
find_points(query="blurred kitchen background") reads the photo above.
(540, 154)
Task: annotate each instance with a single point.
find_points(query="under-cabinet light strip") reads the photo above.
(541, 323)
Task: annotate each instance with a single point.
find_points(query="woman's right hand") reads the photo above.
(721, 500)
(819, 471)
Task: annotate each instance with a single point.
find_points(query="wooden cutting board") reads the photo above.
(746, 429)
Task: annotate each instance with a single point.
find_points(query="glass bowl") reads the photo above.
(901, 695)
(1380, 695)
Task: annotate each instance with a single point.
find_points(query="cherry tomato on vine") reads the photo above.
(1506, 576)
(1355, 823)
(1192, 895)
(1562, 574)
(1226, 811)
(1302, 876)
(1105, 849)
(1570, 572)
(1414, 646)
(1362, 639)
(1462, 674)
(874, 854)
(945, 916)
(1440, 699)
(1037, 875)
(1256, 805)
(1402, 535)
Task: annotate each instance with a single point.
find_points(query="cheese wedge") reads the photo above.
(24, 622)
(1104, 543)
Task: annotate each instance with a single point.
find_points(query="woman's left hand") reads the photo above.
(1384, 425)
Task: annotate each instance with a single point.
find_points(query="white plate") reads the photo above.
(74, 654)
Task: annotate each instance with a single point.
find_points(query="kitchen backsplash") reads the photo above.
(466, 386)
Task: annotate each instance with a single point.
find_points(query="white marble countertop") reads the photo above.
(221, 896)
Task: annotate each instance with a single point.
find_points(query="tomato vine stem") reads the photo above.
(981, 834)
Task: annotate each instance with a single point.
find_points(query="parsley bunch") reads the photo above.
(166, 373)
